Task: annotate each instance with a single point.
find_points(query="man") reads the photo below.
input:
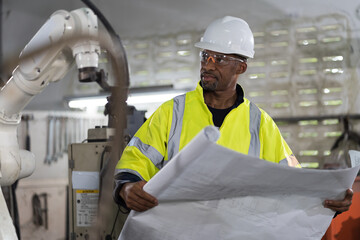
(218, 100)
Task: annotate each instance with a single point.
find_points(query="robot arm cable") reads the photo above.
(121, 55)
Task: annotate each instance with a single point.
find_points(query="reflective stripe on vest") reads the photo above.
(284, 162)
(176, 126)
(127, 170)
(255, 119)
(149, 151)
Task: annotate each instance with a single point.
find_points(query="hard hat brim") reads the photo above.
(220, 49)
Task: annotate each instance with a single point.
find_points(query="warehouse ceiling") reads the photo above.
(139, 18)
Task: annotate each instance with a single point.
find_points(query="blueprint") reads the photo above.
(210, 192)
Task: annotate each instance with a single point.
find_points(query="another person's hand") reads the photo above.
(136, 198)
(341, 205)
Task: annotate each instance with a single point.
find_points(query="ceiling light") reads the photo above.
(135, 99)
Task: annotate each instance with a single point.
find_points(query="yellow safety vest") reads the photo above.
(246, 129)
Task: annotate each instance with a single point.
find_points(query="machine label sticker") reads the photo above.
(86, 207)
(85, 180)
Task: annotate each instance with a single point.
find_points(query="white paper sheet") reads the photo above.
(354, 157)
(211, 192)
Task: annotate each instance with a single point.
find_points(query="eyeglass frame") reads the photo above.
(222, 56)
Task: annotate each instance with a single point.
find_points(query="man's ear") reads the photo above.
(241, 68)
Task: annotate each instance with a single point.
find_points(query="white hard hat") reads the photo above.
(229, 35)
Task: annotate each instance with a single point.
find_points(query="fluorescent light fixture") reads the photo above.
(143, 98)
(87, 102)
(133, 99)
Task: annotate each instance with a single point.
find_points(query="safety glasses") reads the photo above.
(218, 59)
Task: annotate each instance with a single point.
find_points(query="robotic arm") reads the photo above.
(65, 36)
(57, 36)
(46, 58)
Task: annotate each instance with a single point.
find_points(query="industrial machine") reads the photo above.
(65, 38)
(87, 164)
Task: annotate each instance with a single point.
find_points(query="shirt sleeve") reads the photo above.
(145, 154)
(274, 147)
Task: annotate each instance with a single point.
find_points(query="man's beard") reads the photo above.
(209, 86)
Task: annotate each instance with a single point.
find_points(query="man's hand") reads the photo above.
(342, 205)
(136, 198)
